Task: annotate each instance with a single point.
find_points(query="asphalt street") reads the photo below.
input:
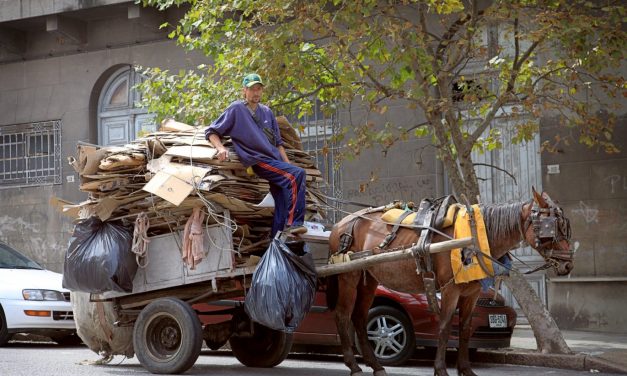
(44, 359)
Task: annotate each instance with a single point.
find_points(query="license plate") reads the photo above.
(498, 321)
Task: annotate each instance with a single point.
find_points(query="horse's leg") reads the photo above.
(365, 296)
(466, 306)
(347, 295)
(448, 304)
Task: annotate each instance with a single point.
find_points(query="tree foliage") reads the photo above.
(460, 62)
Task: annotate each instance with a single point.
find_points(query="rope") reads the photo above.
(140, 239)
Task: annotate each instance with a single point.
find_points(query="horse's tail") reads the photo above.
(332, 291)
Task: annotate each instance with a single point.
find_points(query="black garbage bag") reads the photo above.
(283, 288)
(99, 257)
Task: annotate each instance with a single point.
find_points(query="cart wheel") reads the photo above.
(167, 336)
(266, 348)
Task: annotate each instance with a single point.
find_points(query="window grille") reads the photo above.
(316, 135)
(30, 154)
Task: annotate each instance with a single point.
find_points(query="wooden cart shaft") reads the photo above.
(365, 262)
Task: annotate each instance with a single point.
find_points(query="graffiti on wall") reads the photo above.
(27, 236)
(617, 183)
(587, 212)
(612, 219)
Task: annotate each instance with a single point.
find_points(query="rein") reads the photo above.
(552, 226)
(553, 223)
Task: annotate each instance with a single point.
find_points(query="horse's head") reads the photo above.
(547, 230)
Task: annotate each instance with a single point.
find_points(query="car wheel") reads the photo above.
(266, 348)
(167, 336)
(5, 336)
(391, 335)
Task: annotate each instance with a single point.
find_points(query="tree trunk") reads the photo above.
(549, 339)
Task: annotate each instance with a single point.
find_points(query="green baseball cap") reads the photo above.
(251, 79)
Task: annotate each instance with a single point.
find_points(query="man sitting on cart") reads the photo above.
(257, 140)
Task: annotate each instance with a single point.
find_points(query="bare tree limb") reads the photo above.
(497, 168)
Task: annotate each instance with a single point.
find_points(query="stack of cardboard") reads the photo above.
(168, 173)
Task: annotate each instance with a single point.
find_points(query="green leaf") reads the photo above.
(339, 51)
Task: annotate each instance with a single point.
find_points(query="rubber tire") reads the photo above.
(393, 317)
(167, 336)
(5, 336)
(265, 349)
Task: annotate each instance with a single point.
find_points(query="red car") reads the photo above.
(397, 324)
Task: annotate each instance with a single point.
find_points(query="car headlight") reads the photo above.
(36, 294)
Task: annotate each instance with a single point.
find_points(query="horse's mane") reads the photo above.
(502, 220)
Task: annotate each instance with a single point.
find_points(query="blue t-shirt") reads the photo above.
(251, 143)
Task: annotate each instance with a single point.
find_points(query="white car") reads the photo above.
(32, 300)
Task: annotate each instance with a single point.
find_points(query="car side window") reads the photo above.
(10, 258)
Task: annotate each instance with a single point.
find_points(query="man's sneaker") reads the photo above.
(296, 230)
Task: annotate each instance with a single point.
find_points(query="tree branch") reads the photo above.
(460, 54)
(516, 41)
(497, 168)
(308, 94)
(511, 83)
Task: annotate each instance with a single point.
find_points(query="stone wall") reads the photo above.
(55, 81)
(591, 186)
(408, 171)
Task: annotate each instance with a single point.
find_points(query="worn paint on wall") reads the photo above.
(29, 237)
(592, 187)
(590, 306)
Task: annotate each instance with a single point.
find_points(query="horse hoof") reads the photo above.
(380, 372)
(441, 372)
(359, 373)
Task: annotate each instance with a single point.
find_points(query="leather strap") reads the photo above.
(390, 237)
(346, 239)
(424, 265)
(476, 250)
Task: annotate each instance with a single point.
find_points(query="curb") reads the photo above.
(579, 361)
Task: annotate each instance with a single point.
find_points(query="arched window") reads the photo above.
(119, 120)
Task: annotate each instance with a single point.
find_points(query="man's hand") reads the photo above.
(283, 154)
(223, 154)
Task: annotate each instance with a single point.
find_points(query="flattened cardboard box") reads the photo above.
(169, 187)
(174, 182)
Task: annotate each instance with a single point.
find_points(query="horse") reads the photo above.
(351, 294)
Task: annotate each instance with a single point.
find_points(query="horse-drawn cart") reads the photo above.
(167, 331)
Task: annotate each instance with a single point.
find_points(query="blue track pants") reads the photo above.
(287, 186)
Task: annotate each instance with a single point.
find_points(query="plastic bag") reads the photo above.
(99, 257)
(283, 288)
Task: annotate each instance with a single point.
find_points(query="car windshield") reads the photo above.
(12, 259)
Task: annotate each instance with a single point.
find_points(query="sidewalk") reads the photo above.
(592, 351)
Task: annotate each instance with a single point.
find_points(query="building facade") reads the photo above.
(66, 78)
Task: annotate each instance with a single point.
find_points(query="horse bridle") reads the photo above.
(550, 227)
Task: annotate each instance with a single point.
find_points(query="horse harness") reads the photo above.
(550, 226)
(429, 218)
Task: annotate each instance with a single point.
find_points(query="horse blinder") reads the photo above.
(550, 227)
